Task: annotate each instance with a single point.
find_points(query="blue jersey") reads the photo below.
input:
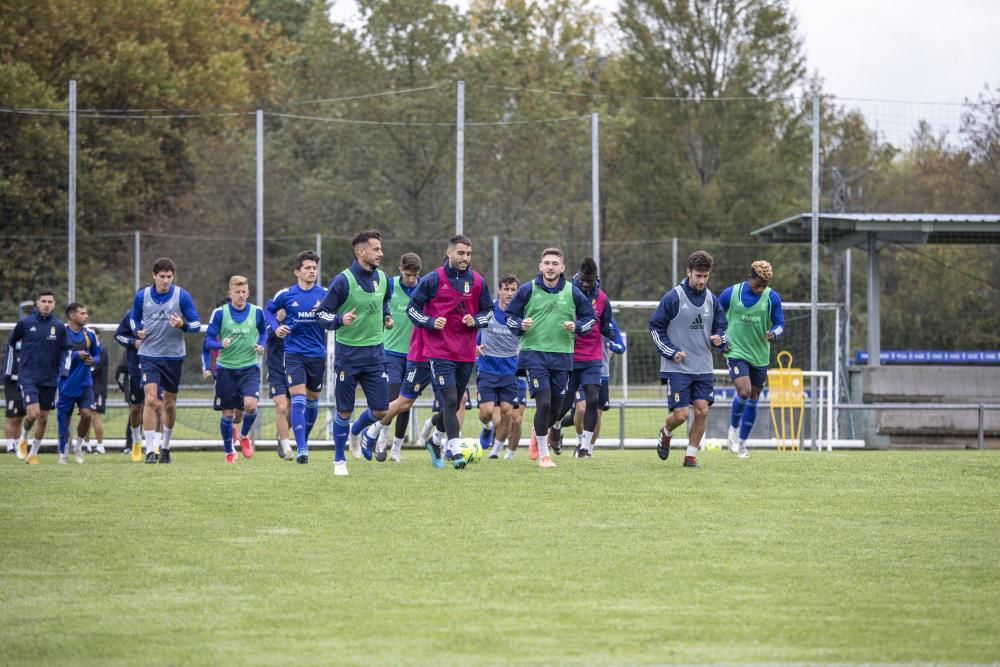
(308, 332)
(77, 376)
(43, 346)
(749, 300)
(355, 356)
(125, 337)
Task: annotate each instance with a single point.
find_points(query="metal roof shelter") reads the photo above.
(872, 231)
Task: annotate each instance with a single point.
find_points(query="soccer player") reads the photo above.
(132, 385)
(17, 437)
(238, 331)
(575, 419)
(76, 387)
(756, 319)
(450, 304)
(496, 372)
(357, 307)
(99, 373)
(397, 347)
(305, 346)
(161, 314)
(687, 323)
(277, 385)
(548, 313)
(588, 358)
(43, 343)
(509, 430)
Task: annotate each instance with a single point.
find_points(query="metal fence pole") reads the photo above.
(71, 204)
(260, 207)
(459, 157)
(496, 264)
(982, 423)
(319, 252)
(814, 272)
(595, 187)
(673, 261)
(137, 260)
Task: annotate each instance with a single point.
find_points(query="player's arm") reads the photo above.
(15, 336)
(585, 317)
(387, 298)
(425, 290)
(485, 307)
(336, 295)
(617, 341)
(777, 317)
(211, 341)
(261, 329)
(136, 317)
(192, 324)
(720, 325)
(124, 334)
(608, 327)
(665, 311)
(515, 309)
(96, 351)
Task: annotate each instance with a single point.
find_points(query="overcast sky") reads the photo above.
(913, 50)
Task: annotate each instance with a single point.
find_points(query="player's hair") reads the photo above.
(410, 262)
(302, 257)
(588, 270)
(73, 307)
(762, 270)
(459, 239)
(164, 264)
(365, 236)
(700, 260)
(236, 281)
(45, 292)
(552, 251)
(507, 279)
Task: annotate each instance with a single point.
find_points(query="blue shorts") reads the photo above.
(136, 395)
(603, 396)
(445, 373)
(496, 389)
(31, 394)
(522, 393)
(686, 388)
(395, 368)
(581, 377)
(540, 379)
(232, 384)
(164, 373)
(372, 379)
(85, 401)
(100, 404)
(416, 379)
(276, 380)
(13, 399)
(740, 368)
(309, 371)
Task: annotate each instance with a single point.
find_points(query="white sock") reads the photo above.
(375, 430)
(543, 445)
(691, 450)
(488, 426)
(35, 446)
(497, 446)
(150, 441)
(508, 454)
(11, 444)
(165, 442)
(586, 439)
(426, 429)
(579, 439)
(137, 435)
(283, 442)
(440, 437)
(397, 445)
(77, 443)
(452, 447)
(24, 433)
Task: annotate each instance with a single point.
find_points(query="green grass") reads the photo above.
(887, 557)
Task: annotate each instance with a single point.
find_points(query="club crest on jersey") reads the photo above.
(342, 376)
(467, 286)
(52, 332)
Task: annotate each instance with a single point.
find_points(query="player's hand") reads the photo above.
(770, 336)
(138, 343)
(226, 342)
(87, 359)
(282, 331)
(716, 340)
(349, 317)
(480, 350)
(259, 349)
(440, 322)
(388, 322)
(526, 323)
(469, 321)
(680, 356)
(176, 321)
(206, 374)
(140, 334)
(569, 326)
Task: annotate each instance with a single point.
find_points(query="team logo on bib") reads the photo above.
(342, 376)
(466, 287)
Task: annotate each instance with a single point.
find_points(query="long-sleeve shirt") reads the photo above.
(212, 340)
(586, 320)
(125, 336)
(43, 346)
(307, 337)
(77, 375)
(337, 294)
(667, 310)
(749, 299)
(192, 324)
(427, 289)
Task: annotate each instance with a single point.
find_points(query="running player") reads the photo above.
(688, 322)
(277, 384)
(132, 386)
(548, 312)
(496, 372)
(756, 319)
(305, 346)
(43, 342)
(161, 314)
(576, 417)
(76, 387)
(449, 304)
(17, 437)
(99, 373)
(238, 331)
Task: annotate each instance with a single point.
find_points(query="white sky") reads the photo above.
(912, 50)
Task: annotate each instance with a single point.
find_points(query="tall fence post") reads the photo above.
(595, 187)
(459, 157)
(814, 274)
(137, 259)
(673, 261)
(260, 207)
(496, 264)
(71, 204)
(319, 252)
(982, 428)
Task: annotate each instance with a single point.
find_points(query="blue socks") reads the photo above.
(226, 429)
(341, 427)
(749, 417)
(738, 405)
(297, 418)
(311, 412)
(248, 419)
(364, 421)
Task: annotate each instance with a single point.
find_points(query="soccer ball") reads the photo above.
(471, 450)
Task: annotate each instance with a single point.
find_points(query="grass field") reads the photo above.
(887, 557)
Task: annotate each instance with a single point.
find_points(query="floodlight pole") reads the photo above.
(595, 186)
(260, 208)
(71, 208)
(459, 156)
(814, 274)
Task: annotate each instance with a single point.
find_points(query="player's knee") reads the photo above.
(701, 411)
(681, 414)
(380, 414)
